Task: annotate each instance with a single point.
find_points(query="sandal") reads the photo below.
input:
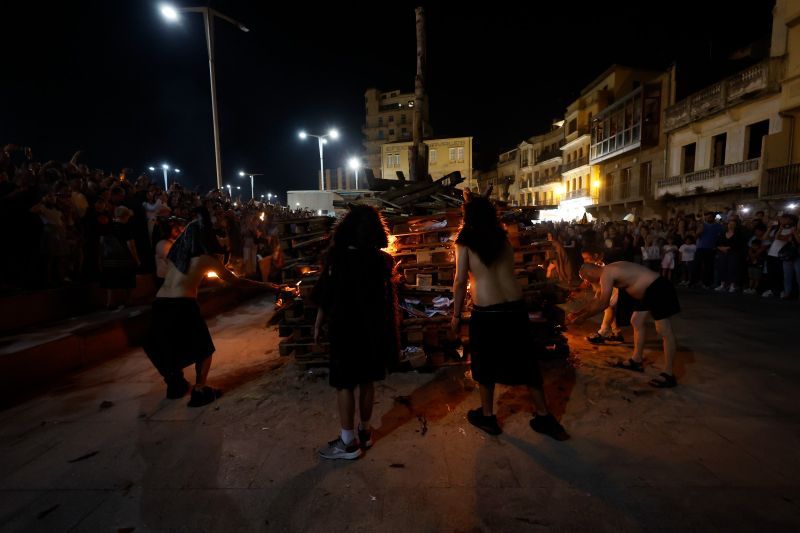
(596, 338)
(630, 364)
(666, 381)
(204, 396)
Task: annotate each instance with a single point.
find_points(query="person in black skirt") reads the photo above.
(501, 347)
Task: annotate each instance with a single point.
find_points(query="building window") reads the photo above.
(383, 97)
(580, 182)
(625, 183)
(754, 135)
(718, 143)
(687, 158)
(530, 199)
(460, 154)
(645, 170)
(380, 134)
(536, 198)
(432, 156)
(573, 126)
(380, 121)
(404, 132)
(403, 118)
(580, 151)
(391, 132)
(391, 118)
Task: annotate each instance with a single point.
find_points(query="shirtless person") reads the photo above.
(500, 345)
(179, 335)
(643, 292)
(609, 330)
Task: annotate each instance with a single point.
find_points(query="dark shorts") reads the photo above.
(501, 347)
(178, 336)
(660, 299)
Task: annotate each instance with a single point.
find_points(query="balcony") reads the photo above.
(578, 193)
(781, 182)
(550, 154)
(546, 180)
(762, 77)
(581, 161)
(734, 176)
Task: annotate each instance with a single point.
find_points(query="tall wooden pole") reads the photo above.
(418, 156)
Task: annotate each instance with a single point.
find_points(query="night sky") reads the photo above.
(114, 79)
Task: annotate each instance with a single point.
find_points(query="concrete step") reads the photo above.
(26, 309)
(40, 357)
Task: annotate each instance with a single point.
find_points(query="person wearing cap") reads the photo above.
(119, 259)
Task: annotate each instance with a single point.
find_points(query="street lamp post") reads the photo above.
(165, 168)
(321, 139)
(242, 173)
(355, 164)
(230, 193)
(269, 197)
(172, 14)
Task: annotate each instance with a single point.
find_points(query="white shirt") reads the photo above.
(777, 244)
(687, 251)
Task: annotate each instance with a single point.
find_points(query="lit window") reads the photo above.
(452, 155)
(460, 154)
(433, 156)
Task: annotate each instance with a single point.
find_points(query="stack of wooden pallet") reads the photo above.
(303, 242)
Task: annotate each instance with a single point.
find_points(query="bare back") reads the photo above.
(490, 285)
(180, 285)
(630, 277)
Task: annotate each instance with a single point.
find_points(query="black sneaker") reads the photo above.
(177, 389)
(616, 337)
(204, 396)
(365, 438)
(483, 422)
(548, 425)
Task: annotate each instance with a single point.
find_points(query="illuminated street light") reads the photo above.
(242, 173)
(354, 163)
(321, 139)
(172, 14)
(165, 168)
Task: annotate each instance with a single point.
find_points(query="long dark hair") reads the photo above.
(363, 228)
(481, 231)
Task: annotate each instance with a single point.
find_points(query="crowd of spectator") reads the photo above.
(65, 223)
(731, 251)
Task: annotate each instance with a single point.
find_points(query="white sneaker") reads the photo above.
(337, 449)
(749, 291)
(733, 289)
(721, 288)
(767, 294)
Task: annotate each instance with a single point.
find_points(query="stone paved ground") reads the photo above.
(719, 453)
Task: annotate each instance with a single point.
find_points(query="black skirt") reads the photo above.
(178, 336)
(501, 347)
